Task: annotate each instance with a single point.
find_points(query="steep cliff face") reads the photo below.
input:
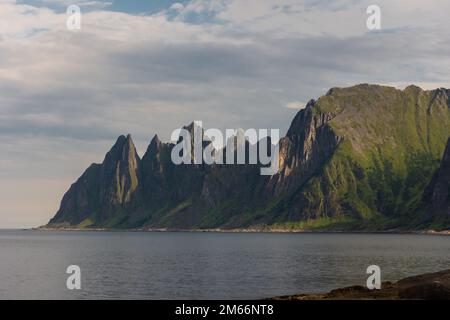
(358, 157)
(119, 175)
(383, 145)
(81, 201)
(231, 193)
(440, 198)
(436, 198)
(309, 142)
(105, 190)
(169, 190)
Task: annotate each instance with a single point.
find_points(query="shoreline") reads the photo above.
(427, 286)
(248, 230)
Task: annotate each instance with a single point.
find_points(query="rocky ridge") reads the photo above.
(357, 158)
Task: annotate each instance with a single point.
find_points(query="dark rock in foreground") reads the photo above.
(429, 286)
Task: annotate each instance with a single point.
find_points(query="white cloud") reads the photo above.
(296, 105)
(341, 18)
(177, 6)
(92, 4)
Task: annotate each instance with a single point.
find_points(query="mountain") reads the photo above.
(357, 158)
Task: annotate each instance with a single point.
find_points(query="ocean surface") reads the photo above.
(144, 265)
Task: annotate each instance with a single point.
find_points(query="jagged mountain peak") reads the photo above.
(358, 154)
(301, 118)
(154, 148)
(123, 141)
(154, 143)
(155, 139)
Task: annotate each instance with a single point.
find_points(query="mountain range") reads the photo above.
(366, 157)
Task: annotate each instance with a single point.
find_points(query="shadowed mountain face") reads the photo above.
(104, 190)
(357, 158)
(436, 198)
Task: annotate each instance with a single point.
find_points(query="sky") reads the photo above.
(147, 67)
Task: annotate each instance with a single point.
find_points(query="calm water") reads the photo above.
(121, 265)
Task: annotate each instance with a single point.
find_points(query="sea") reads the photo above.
(36, 264)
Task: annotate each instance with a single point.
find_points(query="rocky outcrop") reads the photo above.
(356, 158)
(436, 198)
(430, 286)
(374, 147)
(105, 190)
(119, 174)
(309, 142)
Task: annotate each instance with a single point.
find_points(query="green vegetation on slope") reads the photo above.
(358, 158)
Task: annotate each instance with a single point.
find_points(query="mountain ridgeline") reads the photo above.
(367, 157)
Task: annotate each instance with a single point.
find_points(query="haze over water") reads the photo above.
(139, 265)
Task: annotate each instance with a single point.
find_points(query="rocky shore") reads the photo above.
(429, 286)
(247, 230)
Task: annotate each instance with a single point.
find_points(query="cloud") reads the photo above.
(296, 105)
(177, 6)
(85, 4)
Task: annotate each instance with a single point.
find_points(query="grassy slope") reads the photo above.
(392, 144)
